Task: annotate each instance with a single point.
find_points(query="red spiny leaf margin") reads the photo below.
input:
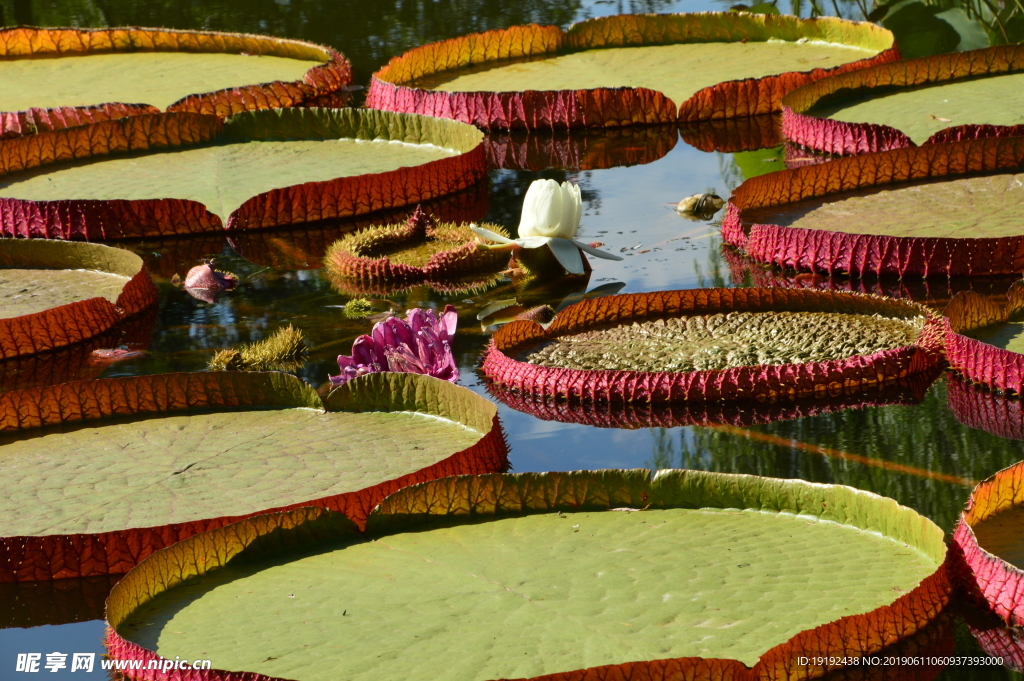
(353, 261)
(631, 416)
(25, 42)
(92, 220)
(977, 361)
(915, 622)
(988, 581)
(66, 325)
(787, 381)
(870, 254)
(839, 137)
(60, 556)
(392, 88)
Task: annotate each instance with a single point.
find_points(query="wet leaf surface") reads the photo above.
(25, 291)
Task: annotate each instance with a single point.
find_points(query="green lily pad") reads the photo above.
(149, 467)
(963, 207)
(678, 71)
(174, 173)
(722, 341)
(1005, 335)
(538, 574)
(221, 177)
(157, 78)
(30, 291)
(923, 111)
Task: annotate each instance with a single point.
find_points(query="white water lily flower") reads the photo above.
(551, 217)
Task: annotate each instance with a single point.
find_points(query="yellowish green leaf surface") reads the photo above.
(722, 341)
(1006, 335)
(922, 112)
(1001, 535)
(964, 208)
(156, 78)
(143, 472)
(524, 596)
(24, 291)
(221, 177)
(678, 71)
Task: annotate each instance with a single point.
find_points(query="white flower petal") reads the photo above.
(488, 234)
(593, 251)
(567, 254)
(533, 241)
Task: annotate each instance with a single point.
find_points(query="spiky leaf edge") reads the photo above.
(786, 381)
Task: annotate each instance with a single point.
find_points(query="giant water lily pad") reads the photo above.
(54, 294)
(625, 70)
(588, 582)
(714, 344)
(61, 77)
(110, 470)
(919, 211)
(963, 95)
(990, 556)
(984, 339)
(161, 174)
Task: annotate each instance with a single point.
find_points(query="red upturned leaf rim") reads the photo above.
(65, 325)
(37, 558)
(979, 407)
(840, 137)
(786, 381)
(613, 107)
(91, 220)
(908, 391)
(976, 360)
(871, 254)
(303, 248)
(472, 497)
(326, 78)
(989, 582)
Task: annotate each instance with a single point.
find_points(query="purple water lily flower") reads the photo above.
(418, 344)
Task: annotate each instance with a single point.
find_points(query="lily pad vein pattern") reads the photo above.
(542, 594)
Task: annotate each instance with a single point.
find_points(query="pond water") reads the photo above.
(915, 450)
